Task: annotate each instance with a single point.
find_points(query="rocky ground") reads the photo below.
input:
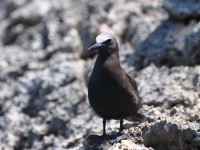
(44, 69)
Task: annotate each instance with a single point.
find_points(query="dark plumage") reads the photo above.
(112, 92)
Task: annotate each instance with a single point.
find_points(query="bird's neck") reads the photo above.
(108, 61)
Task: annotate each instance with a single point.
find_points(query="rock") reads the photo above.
(34, 97)
(175, 131)
(171, 44)
(169, 87)
(188, 9)
(135, 24)
(7, 7)
(15, 61)
(44, 70)
(34, 36)
(19, 19)
(163, 129)
(128, 144)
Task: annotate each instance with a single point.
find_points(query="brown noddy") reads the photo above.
(112, 92)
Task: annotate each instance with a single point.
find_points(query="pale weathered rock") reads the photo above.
(128, 144)
(170, 87)
(44, 69)
(163, 129)
(172, 129)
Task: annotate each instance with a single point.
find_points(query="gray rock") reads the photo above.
(163, 129)
(171, 44)
(169, 87)
(44, 69)
(184, 10)
(19, 19)
(174, 129)
(8, 6)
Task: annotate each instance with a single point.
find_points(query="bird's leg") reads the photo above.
(121, 126)
(99, 139)
(119, 137)
(104, 127)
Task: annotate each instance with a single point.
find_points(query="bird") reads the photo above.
(112, 93)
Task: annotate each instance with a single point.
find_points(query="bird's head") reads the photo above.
(106, 44)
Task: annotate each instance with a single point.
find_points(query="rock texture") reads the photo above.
(177, 128)
(44, 70)
(173, 43)
(186, 10)
(170, 87)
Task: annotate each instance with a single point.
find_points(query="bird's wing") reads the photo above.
(133, 83)
(133, 88)
(138, 116)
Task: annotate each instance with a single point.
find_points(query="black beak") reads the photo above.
(95, 46)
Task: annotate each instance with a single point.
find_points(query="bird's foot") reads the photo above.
(96, 139)
(118, 137)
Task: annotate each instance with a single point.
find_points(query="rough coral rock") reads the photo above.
(177, 128)
(44, 70)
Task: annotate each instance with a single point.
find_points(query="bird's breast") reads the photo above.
(108, 95)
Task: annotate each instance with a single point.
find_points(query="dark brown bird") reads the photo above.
(112, 92)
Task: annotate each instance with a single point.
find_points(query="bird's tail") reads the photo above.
(136, 117)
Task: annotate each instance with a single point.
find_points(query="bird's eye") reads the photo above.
(107, 41)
